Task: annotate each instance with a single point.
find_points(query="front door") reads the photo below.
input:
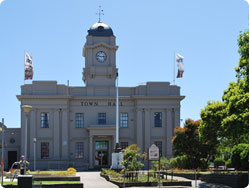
(101, 153)
(12, 157)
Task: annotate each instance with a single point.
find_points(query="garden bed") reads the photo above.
(119, 182)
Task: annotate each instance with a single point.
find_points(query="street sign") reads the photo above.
(153, 152)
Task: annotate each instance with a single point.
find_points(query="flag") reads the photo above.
(180, 65)
(28, 67)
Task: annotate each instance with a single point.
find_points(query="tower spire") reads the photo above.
(100, 13)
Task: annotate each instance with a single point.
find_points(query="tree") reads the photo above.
(130, 159)
(186, 143)
(228, 121)
(210, 125)
(236, 122)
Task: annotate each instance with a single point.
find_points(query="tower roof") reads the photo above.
(100, 29)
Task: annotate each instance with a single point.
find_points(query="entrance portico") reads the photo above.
(101, 144)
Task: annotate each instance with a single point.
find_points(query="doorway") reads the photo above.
(12, 157)
(101, 153)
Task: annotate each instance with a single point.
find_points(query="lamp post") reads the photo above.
(26, 109)
(34, 141)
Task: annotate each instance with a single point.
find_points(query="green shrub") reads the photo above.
(182, 162)
(228, 163)
(110, 172)
(219, 162)
(204, 163)
(164, 164)
(240, 157)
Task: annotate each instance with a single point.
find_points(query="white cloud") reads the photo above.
(1, 1)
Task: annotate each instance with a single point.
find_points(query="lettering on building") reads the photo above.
(97, 104)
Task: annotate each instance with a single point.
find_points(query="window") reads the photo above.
(79, 150)
(101, 118)
(158, 119)
(79, 120)
(159, 145)
(124, 120)
(124, 145)
(44, 150)
(44, 120)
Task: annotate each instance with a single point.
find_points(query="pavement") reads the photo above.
(199, 183)
(92, 179)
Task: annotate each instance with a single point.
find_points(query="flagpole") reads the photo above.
(117, 114)
(174, 70)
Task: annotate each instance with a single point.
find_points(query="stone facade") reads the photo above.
(75, 126)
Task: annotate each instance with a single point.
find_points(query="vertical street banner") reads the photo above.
(180, 65)
(28, 66)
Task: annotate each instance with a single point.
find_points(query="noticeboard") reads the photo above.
(153, 152)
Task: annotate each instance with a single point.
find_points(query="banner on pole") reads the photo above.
(28, 67)
(180, 65)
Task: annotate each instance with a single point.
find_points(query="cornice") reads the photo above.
(22, 97)
(98, 45)
(170, 97)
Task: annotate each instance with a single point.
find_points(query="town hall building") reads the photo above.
(75, 126)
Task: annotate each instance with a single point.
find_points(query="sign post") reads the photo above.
(153, 155)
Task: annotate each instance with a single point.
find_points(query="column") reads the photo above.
(56, 135)
(139, 133)
(169, 133)
(65, 137)
(32, 132)
(91, 152)
(147, 129)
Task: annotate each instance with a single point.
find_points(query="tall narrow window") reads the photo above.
(44, 150)
(157, 119)
(159, 145)
(79, 120)
(124, 120)
(44, 120)
(101, 118)
(79, 150)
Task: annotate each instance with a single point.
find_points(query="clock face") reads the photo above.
(101, 56)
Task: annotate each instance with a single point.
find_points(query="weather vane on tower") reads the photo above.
(100, 13)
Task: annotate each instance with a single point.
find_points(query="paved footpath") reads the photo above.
(92, 179)
(199, 183)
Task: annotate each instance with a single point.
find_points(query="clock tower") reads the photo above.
(100, 57)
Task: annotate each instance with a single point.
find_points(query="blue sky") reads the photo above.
(148, 33)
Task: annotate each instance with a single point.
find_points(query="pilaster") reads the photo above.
(56, 135)
(65, 135)
(139, 132)
(32, 133)
(147, 129)
(169, 133)
(91, 152)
